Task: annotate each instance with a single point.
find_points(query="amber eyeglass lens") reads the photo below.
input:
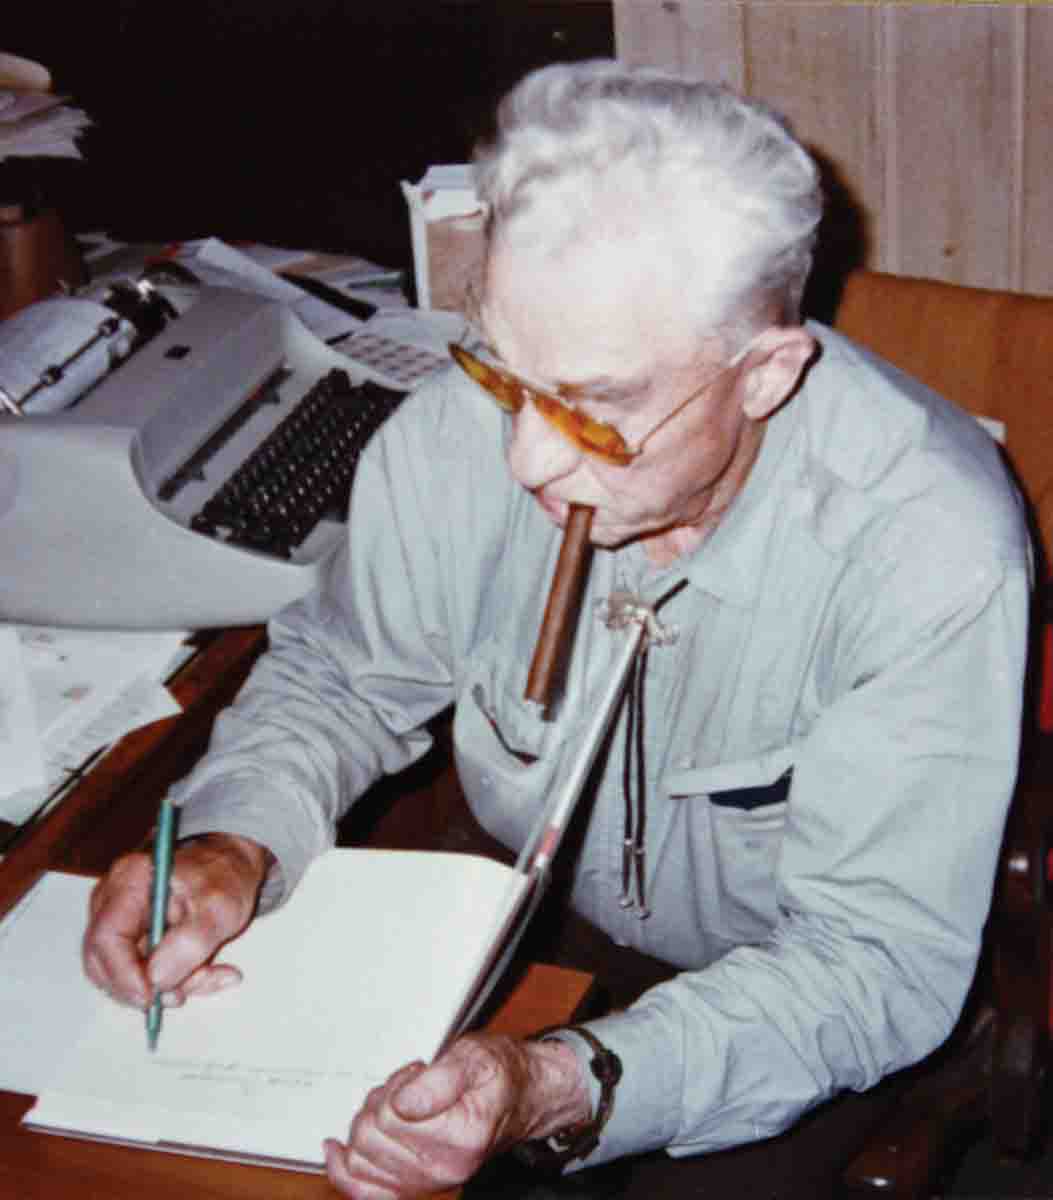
(592, 437)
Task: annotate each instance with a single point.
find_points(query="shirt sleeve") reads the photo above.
(353, 671)
(884, 879)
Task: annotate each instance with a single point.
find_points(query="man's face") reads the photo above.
(604, 329)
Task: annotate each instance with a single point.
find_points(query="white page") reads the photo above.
(215, 262)
(45, 1000)
(87, 689)
(40, 124)
(66, 752)
(361, 972)
(77, 675)
(21, 762)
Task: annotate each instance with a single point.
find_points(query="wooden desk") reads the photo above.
(110, 811)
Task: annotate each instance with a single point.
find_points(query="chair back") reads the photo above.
(989, 351)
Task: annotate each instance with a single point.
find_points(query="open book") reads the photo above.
(376, 960)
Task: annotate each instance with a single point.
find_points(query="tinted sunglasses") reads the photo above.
(596, 438)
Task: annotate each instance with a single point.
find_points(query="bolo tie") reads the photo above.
(634, 771)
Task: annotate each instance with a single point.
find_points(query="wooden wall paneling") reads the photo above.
(952, 122)
(1036, 241)
(685, 36)
(821, 66)
(648, 33)
(937, 117)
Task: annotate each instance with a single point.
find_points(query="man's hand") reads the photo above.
(215, 883)
(429, 1128)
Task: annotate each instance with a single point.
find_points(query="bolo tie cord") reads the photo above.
(634, 783)
(634, 780)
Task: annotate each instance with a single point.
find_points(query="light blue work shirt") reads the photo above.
(831, 742)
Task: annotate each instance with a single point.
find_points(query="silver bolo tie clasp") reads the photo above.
(622, 609)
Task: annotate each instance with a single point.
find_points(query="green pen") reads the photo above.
(163, 844)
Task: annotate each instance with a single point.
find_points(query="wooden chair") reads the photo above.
(992, 352)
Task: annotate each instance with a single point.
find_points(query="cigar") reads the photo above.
(561, 610)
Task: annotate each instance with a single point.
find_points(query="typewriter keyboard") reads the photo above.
(302, 471)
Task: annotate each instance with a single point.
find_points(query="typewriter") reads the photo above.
(204, 482)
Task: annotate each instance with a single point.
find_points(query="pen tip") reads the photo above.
(153, 1027)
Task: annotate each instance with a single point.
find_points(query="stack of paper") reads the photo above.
(38, 123)
(64, 694)
(218, 264)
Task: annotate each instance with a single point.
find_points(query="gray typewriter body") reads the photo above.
(100, 505)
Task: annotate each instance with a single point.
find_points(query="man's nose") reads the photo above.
(537, 453)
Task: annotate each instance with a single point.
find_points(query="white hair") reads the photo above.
(597, 149)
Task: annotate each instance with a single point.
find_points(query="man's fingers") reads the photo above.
(125, 982)
(213, 891)
(383, 1157)
(119, 906)
(211, 978)
(205, 981)
(427, 1128)
(353, 1176)
(182, 951)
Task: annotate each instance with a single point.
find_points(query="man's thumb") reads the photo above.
(431, 1092)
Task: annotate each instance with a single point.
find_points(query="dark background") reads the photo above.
(274, 121)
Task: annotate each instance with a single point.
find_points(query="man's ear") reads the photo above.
(773, 367)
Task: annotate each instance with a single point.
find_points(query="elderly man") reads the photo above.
(812, 780)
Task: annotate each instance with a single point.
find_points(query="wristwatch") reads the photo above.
(576, 1141)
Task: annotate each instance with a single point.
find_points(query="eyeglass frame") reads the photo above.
(511, 391)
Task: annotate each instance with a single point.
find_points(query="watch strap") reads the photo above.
(576, 1141)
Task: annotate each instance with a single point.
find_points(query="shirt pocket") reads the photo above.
(507, 756)
(737, 822)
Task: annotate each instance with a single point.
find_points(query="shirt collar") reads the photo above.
(729, 563)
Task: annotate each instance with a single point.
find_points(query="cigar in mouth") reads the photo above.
(561, 611)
